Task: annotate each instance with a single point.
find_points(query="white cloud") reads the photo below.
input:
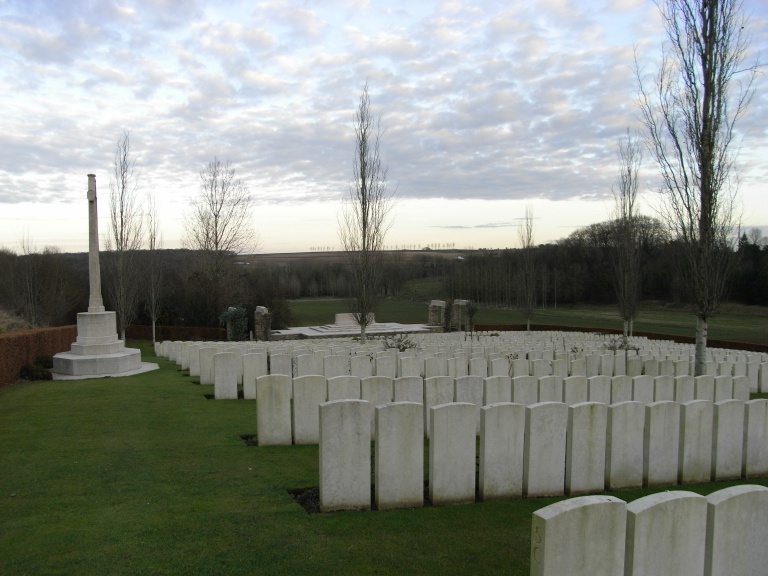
(480, 101)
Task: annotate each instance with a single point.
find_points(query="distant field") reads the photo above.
(734, 323)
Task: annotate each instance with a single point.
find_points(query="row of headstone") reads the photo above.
(451, 359)
(547, 449)
(308, 392)
(676, 533)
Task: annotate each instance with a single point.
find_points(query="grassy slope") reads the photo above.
(143, 475)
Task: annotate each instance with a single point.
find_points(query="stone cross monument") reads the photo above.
(98, 351)
(95, 302)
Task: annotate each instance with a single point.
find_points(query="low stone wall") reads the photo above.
(23, 347)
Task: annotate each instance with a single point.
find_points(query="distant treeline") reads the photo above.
(49, 288)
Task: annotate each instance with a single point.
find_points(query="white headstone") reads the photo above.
(525, 390)
(385, 366)
(755, 460)
(600, 389)
(664, 388)
(345, 455)
(696, 420)
(737, 532)
(643, 389)
(399, 465)
(452, 453)
(585, 448)
(254, 366)
(661, 443)
(281, 364)
(273, 410)
(343, 388)
(575, 390)
(579, 537)
(684, 389)
(224, 376)
(624, 446)
(666, 535)
(497, 389)
(502, 450)
(308, 393)
(704, 387)
(409, 389)
(376, 390)
(437, 391)
(545, 436)
(206, 364)
(470, 389)
(728, 440)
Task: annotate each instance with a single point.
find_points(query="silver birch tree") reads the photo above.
(702, 88)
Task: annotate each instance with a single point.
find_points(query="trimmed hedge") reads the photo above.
(184, 333)
(25, 346)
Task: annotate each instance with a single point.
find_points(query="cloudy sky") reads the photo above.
(488, 106)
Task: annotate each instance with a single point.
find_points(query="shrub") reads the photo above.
(236, 321)
(44, 361)
(10, 322)
(34, 372)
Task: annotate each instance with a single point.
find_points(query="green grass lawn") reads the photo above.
(734, 323)
(144, 475)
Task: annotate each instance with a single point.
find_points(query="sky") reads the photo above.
(487, 107)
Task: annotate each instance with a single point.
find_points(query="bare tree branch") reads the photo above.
(220, 225)
(365, 222)
(700, 91)
(124, 237)
(154, 269)
(527, 273)
(625, 252)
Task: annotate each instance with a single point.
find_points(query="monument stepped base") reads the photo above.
(98, 351)
(71, 364)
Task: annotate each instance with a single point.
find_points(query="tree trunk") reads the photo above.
(153, 331)
(362, 333)
(700, 367)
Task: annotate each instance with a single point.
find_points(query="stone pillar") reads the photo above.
(95, 302)
(457, 313)
(261, 323)
(436, 312)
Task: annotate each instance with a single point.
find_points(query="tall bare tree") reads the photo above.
(154, 268)
(365, 219)
(219, 225)
(122, 264)
(700, 91)
(625, 252)
(527, 271)
(30, 276)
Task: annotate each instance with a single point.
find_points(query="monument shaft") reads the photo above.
(95, 302)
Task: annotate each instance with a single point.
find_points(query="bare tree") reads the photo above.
(154, 269)
(365, 222)
(527, 272)
(122, 264)
(219, 225)
(30, 276)
(700, 91)
(625, 252)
